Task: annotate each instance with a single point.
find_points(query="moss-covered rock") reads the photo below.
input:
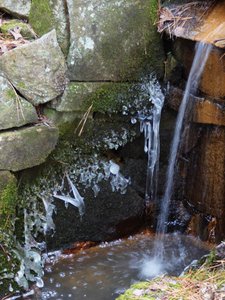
(27, 147)
(8, 204)
(8, 199)
(48, 14)
(105, 97)
(113, 40)
(25, 29)
(41, 17)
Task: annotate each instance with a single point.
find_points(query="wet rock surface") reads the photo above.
(107, 217)
(37, 70)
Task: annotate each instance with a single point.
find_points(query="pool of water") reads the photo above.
(105, 271)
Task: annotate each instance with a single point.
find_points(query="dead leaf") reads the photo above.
(15, 32)
(4, 48)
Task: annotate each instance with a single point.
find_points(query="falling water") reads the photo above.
(201, 55)
(156, 264)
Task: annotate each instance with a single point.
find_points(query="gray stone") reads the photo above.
(113, 40)
(37, 69)
(14, 110)
(27, 147)
(61, 23)
(18, 8)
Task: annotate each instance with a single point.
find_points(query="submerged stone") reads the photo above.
(27, 147)
(112, 40)
(14, 110)
(37, 70)
(19, 8)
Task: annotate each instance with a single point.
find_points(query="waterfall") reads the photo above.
(201, 55)
(157, 264)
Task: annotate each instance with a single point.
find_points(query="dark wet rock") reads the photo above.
(113, 40)
(18, 8)
(27, 147)
(37, 69)
(107, 217)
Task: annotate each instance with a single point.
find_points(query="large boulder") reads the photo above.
(37, 69)
(18, 8)
(112, 40)
(27, 147)
(14, 110)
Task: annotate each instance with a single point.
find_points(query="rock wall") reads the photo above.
(68, 88)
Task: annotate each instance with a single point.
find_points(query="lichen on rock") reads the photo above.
(14, 110)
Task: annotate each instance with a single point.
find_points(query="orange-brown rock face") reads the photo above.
(205, 183)
(213, 79)
(208, 112)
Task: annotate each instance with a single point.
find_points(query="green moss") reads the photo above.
(21, 85)
(41, 17)
(110, 98)
(153, 10)
(8, 200)
(10, 94)
(25, 29)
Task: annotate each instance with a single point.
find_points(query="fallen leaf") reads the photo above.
(15, 32)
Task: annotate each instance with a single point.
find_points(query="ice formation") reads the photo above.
(76, 200)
